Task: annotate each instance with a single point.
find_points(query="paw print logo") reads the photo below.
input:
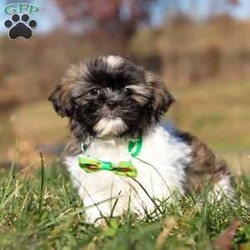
(20, 27)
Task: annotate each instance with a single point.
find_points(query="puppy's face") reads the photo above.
(110, 96)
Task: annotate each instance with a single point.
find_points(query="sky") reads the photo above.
(50, 17)
(241, 11)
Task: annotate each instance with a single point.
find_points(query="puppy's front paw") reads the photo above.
(98, 215)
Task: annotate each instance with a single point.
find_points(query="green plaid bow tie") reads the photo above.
(123, 168)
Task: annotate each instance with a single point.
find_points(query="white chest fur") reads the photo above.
(161, 170)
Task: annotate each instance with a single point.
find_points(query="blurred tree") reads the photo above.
(117, 19)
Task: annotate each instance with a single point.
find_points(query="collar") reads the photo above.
(134, 145)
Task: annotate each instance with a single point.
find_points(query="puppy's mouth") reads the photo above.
(111, 124)
(110, 113)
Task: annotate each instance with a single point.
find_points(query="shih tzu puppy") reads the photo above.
(121, 158)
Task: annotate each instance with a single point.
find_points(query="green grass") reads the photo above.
(43, 211)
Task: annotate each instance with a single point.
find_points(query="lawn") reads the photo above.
(43, 211)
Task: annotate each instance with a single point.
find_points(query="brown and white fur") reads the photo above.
(110, 100)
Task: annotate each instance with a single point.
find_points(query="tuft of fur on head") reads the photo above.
(110, 96)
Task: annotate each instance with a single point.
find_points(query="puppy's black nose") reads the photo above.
(111, 103)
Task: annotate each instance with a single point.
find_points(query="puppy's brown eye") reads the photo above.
(127, 92)
(94, 91)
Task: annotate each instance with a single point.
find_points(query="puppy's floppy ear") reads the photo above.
(61, 98)
(162, 97)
